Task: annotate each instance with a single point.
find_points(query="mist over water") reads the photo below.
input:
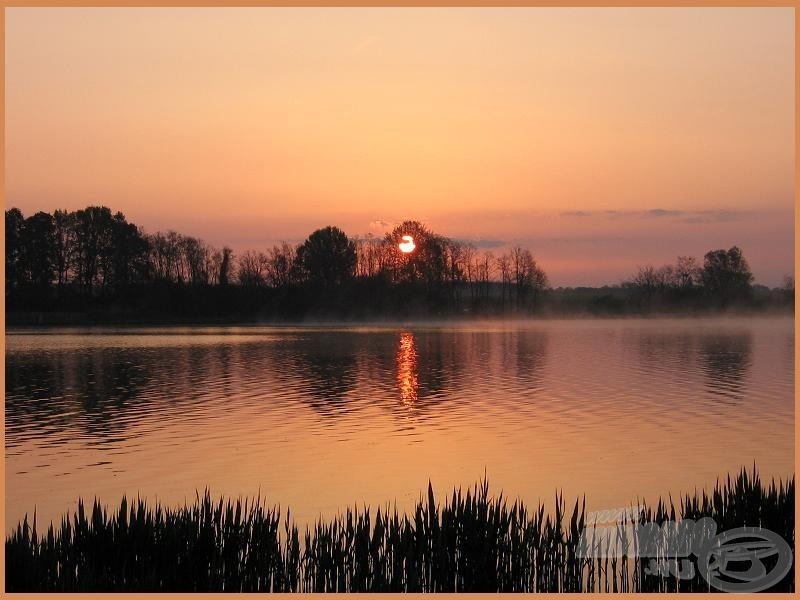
(319, 418)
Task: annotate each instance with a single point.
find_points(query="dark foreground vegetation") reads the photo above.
(93, 265)
(472, 542)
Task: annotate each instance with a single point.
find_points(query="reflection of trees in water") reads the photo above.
(99, 393)
(103, 391)
(338, 368)
(325, 368)
(89, 388)
(725, 360)
(530, 355)
(441, 358)
(105, 383)
(393, 369)
(36, 385)
(663, 349)
(454, 367)
(429, 369)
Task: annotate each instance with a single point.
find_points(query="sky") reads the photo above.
(602, 139)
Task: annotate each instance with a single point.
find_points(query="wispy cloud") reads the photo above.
(682, 216)
(483, 244)
(381, 225)
(716, 216)
(660, 212)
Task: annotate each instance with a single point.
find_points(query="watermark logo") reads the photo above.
(735, 561)
(745, 559)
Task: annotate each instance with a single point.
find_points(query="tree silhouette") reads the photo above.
(427, 261)
(196, 255)
(327, 257)
(105, 265)
(253, 268)
(128, 252)
(687, 273)
(64, 245)
(726, 274)
(14, 225)
(37, 249)
(280, 265)
(528, 277)
(225, 267)
(93, 234)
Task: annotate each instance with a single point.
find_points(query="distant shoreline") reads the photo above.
(45, 320)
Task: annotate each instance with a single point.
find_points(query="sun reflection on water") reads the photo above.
(407, 379)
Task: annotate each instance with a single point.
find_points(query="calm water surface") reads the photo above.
(322, 418)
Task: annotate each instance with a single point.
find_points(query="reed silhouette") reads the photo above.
(472, 542)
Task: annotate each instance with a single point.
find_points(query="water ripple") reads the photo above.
(322, 417)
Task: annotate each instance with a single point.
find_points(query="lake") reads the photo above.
(319, 418)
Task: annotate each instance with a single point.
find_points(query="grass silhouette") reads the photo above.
(472, 542)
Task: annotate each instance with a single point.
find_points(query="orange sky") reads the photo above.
(601, 138)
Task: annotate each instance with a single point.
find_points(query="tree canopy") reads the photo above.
(726, 274)
(327, 257)
(95, 260)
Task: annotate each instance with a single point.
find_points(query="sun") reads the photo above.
(407, 245)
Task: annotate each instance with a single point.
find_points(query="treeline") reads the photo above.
(722, 284)
(723, 280)
(94, 262)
